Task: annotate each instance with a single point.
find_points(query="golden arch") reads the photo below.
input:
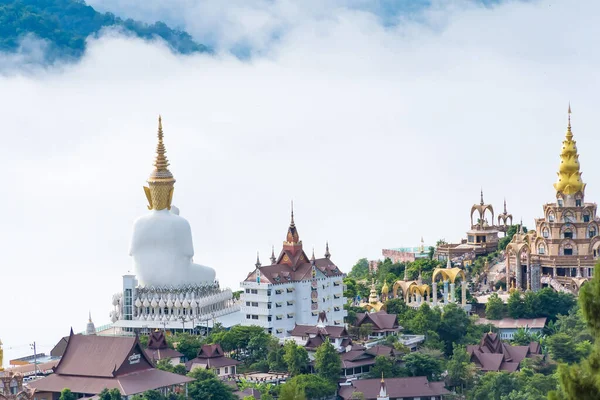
(449, 274)
(421, 290)
(404, 286)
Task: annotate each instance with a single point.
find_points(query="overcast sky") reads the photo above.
(382, 130)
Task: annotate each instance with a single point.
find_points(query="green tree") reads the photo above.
(461, 370)
(563, 348)
(315, 386)
(291, 390)
(350, 292)
(208, 387)
(276, 360)
(365, 330)
(503, 242)
(419, 364)
(360, 270)
(523, 337)
(453, 327)
(516, 305)
(186, 344)
(581, 381)
(424, 320)
(295, 357)
(66, 394)
(494, 309)
(383, 366)
(327, 362)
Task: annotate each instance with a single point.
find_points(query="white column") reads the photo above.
(434, 293)
(453, 292)
(445, 292)
(463, 285)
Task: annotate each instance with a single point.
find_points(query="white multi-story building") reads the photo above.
(293, 289)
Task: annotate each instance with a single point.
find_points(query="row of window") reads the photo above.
(569, 233)
(568, 216)
(278, 291)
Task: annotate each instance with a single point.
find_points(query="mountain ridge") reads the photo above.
(66, 24)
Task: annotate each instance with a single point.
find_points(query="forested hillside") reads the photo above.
(66, 24)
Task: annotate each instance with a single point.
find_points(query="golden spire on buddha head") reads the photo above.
(159, 191)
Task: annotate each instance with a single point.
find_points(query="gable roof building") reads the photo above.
(92, 363)
(211, 356)
(384, 324)
(492, 354)
(395, 388)
(158, 349)
(292, 289)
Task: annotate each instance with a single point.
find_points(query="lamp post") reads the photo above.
(183, 321)
(33, 347)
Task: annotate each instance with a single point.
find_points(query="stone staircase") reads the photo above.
(556, 285)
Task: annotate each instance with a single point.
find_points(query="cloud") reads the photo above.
(380, 133)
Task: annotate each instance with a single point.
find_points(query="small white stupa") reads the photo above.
(90, 329)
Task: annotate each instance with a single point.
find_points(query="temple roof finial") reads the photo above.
(569, 175)
(327, 253)
(257, 261)
(312, 258)
(505, 206)
(481, 199)
(292, 235)
(273, 259)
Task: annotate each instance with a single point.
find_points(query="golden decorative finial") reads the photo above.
(159, 191)
(382, 377)
(569, 177)
(292, 223)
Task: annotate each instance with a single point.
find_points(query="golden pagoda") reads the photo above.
(569, 177)
(385, 290)
(159, 191)
(565, 245)
(373, 305)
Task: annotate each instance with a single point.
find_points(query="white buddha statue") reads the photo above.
(161, 246)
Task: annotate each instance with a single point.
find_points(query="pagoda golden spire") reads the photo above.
(569, 177)
(159, 191)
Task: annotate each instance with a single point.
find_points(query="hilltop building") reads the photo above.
(167, 289)
(481, 239)
(562, 250)
(292, 289)
(407, 254)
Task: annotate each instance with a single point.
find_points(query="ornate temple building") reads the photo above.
(167, 289)
(563, 248)
(293, 289)
(481, 239)
(12, 388)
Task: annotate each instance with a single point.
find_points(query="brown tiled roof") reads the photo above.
(283, 273)
(135, 382)
(381, 321)
(492, 354)
(59, 349)
(101, 356)
(218, 362)
(508, 323)
(212, 356)
(356, 358)
(314, 342)
(417, 386)
(29, 369)
(157, 340)
(330, 331)
(161, 354)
